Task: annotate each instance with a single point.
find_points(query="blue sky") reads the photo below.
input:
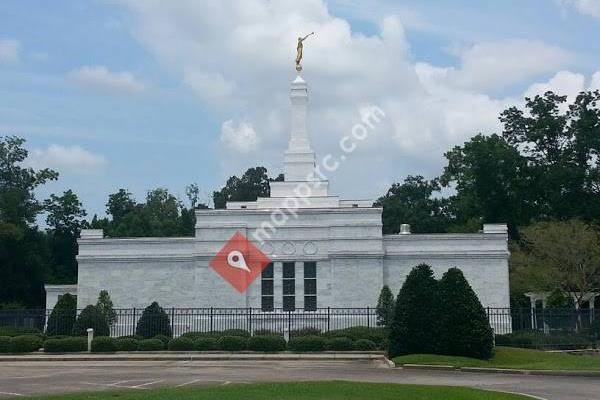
(138, 94)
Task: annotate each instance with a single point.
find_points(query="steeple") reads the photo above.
(299, 158)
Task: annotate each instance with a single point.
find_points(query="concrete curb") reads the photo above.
(196, 356)
(588, 374)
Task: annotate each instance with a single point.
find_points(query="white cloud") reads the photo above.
(563, 83)
(495, 65)
(595, 81)
(210, 87)
(238, 57)
(587, 7)
(99, 78)
(66, 159)
(242, 138)
(9, 51)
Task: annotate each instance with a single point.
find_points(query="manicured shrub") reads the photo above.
(91, 317)
(375, 334)
(308, 331)
(65, 345)
(415, 326)
(150, 345)
(266, 343)
(126, 344)
(385, 307)
(62, 317)
(267, 332)
(197, 335)
(206, 344)
(164, 339)
(339, 344)
(105, 305)
(181, 344)
(103, 344)
(154, 321)
(4, 344)
(25, 344)
(543, 341)
(232, 343)
(364, 345)
(464, 326)
(235, 332)
(307, 343)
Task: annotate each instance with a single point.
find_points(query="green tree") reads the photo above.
(65, 218)
(415, 327)
(413, 202)
(464, 327)
(491, 182)
(62, 317)
(24, 250)
(385, 307)
(561, 149)
(154, 321)
(91, 317)
(253, 184)
(559, 255)
(105, 305)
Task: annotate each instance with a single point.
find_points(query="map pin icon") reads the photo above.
(236, 259)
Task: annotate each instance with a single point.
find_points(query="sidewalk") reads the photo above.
(193, 356)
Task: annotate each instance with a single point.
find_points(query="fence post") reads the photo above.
(173, 321)
(250, 320)
(133, 323)
(211, 319)
(289, 321)
(368, 318)
(328, 318)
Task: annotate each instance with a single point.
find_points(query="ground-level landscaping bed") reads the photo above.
(510, 358)
(300, 391)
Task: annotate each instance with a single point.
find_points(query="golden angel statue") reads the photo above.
(299, 51)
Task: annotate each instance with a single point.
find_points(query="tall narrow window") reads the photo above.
(289, 286)
(266, 288)
(310, 286)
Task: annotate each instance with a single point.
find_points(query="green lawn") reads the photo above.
(508, 357)
(300, 391)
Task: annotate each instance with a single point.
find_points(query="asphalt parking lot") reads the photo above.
(19, 379)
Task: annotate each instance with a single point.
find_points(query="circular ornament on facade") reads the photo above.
(266, 248)
(288, 248)
(310, 248)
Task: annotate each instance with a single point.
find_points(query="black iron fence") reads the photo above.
(551, 327)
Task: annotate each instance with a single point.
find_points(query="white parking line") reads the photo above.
(12, 394)
(189, 383)
(146, 384)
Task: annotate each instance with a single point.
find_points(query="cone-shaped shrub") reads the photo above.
(414, 328)
(91, 317)
(154, 321)
(385, 307)
(464, 326)
(63, 316)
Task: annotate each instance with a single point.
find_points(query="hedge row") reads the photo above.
(540, 340)
(20, 344)
(224, 340)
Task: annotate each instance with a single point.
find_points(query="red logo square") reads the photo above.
(239, 262)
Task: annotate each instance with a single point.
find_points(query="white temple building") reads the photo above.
(327, 252)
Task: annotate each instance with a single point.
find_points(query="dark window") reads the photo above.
(289, 286)
(289, 270)
(266, 288)
(310, 286)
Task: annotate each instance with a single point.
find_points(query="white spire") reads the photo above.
(299, 159)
